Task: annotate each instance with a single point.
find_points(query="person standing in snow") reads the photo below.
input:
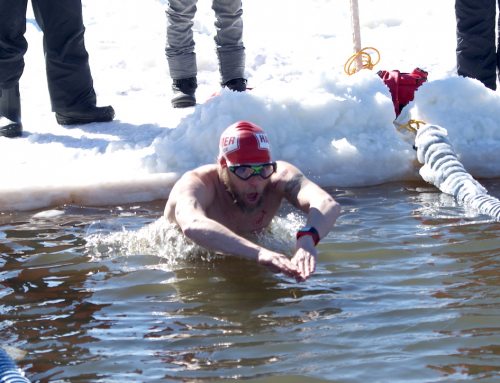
(477, 53)
(69, 79)
(218, 205)
(181, 55)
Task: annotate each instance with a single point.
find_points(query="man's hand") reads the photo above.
(278, 262)
(305, 257)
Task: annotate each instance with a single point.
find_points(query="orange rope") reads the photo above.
(351, 67)
(411, 125)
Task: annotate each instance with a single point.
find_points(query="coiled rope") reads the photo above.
(411, 126)
(362, 60)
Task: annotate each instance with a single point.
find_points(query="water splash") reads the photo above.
(165, 240)
(159, 238)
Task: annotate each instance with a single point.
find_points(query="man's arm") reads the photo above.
(191, 197)
(321, 209)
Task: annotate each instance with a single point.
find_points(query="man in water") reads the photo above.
(217, 205)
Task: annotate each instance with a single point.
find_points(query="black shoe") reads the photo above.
(184, 90)
(237, 84)
(10, 112)
(10, 128)
(92, 114)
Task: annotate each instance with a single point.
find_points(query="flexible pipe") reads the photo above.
(9, 372)
(442, 169)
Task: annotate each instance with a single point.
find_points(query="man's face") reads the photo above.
(248, 193)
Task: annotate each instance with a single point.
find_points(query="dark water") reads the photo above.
(407, 290)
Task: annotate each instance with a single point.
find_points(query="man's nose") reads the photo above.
(255, 180)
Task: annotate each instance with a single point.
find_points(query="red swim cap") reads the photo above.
(244, 143)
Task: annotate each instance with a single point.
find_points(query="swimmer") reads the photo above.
(216, 205)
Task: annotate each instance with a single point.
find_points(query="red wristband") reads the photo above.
(309, 230)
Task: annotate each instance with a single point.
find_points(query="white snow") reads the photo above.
(338, 129)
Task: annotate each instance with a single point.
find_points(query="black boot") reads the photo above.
(86, 116)
(184, 90)
(10, 112)
(236, 84)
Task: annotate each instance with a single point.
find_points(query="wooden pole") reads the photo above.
(356, 33)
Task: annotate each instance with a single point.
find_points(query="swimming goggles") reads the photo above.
(244, 172)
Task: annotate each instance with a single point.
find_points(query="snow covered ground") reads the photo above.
(338, 129)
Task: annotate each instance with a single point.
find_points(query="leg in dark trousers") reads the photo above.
(13, 45)
(476, 40)
(498, 43)
(67, 61)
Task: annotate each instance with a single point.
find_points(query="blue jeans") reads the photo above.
(180, 50)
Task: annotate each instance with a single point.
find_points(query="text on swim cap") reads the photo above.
(262, 141)
(229, 144)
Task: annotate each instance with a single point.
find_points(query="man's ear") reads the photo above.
(222, 162)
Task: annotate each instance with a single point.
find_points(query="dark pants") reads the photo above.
(477, 53)
(66, 59)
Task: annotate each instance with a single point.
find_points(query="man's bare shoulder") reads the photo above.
(289, 181)
(287, 172)
(206, 174)
(194, 185)
(286, 168)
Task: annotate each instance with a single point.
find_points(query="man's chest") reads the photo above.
(240, 221)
